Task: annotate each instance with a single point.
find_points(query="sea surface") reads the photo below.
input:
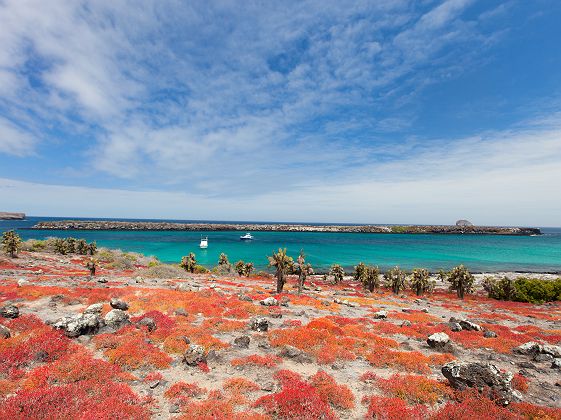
(480, 253)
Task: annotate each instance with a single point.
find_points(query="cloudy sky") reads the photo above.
(394, 111)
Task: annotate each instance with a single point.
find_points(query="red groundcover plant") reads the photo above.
(299, 399)
(84, 400)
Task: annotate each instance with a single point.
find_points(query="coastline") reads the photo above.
(169, 226)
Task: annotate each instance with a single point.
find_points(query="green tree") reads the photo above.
(421, 282)
(60, 246)
(461, 281)
(283, 264)
(337, 272)
(70, 245)
(248, 268)
(91, 265)
(92, 248)
(240, 268)
(360, 272)
(11, 243)
(303, 269)
(81, 247)
(395, 279)
(189, 262)
(371, 278)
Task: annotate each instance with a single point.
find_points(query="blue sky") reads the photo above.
(377, 111)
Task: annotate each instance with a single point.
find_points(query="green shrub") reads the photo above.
(461, 281)
(421, 282)
(537, 290)
(199, 269)
(395, 279)
(337, 272)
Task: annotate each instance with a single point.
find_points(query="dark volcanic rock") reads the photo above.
(5, 332)
(259, 324)
(119, 304)
(242, 342)
(485, 377)
(9, 311)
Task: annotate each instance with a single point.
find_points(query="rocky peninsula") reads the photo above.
(416, 229)
(11, 216)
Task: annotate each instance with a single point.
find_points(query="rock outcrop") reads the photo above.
(11, 216)
(9, 311)
(81, 324)
(485, 377)
(438, 340)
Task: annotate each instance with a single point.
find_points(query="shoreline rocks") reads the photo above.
(410, 229)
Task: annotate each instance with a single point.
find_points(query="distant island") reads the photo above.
(435, 229)
(11, 216)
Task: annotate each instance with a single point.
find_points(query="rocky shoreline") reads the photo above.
(411, 229)
(11, 216)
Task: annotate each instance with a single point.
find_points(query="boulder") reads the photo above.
(148, 323)
(242, 342)
(96, 308)
(556, 364)
(438, 340)
(489, 334)
(543, 357)
(469, 326)
(259, 324)
(9, 311)
(270, 301)
(5, 332)
(529, 348)
(463, 222)
(406, 323)
(484, 377)
(293, 353)
(77, 325)
(194, 355)
(381, 315)
(455, 326)
(116, 317)
(555, 351)
(119, 304)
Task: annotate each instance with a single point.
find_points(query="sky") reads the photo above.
(394, 111)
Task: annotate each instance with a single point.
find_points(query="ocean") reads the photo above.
(480, 253)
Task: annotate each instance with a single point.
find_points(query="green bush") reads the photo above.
(537, 290)
(523, 289)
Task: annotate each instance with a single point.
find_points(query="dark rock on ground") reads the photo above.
(119, 304)
(259, 324)
(9, 311)
(485, 377)
(194, 355)
(5, 332)
(148, 323)
(438, 340)
(242, 342)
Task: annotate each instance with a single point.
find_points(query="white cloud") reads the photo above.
(14, 140)
(171, 88)
(502, 178)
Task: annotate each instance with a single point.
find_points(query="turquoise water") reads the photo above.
(479, 253)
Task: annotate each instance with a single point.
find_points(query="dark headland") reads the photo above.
(11, 216)
(435, 229)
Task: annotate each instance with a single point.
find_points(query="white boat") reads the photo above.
(204, 242)
(246, 237)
